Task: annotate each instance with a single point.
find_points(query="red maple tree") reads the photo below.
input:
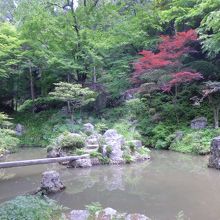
(170, 49)
(179, 78)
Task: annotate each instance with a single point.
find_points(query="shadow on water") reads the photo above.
(160, 188)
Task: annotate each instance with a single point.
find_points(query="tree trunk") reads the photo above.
(175, 104)
(216, 116)
(32, 88)
(94, 75)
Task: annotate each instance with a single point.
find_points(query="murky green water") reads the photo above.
(170, 183)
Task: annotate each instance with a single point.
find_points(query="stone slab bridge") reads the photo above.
(21, 163)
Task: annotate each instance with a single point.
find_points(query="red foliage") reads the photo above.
(179, 78)
(170, 50)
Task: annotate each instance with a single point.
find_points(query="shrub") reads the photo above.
(94, 207)
(8, 141)
(108, 151)
(79, 152)
(143, 151)
(101, 127)
(72, 141)
(127, 157)
(41, 104)
(197, 142)
(30, 207)
(95, 154)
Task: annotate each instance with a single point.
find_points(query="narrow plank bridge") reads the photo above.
(21, 163)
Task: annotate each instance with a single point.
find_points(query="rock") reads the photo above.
(19, 129)
(55, 152)
(115, 141)
(199, 123)
(101, 101)
(136, 217)
(88, 128)
(95, 161)
(79, 215)
(214, 159)
(140, 157)
(64, 111)
(51, 182)
(81, 163)
(178, 135)
(93, 141)
(137, 143)
(106, 214)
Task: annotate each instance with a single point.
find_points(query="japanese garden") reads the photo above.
(109, 109)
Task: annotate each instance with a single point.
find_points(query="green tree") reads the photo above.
(74, 94)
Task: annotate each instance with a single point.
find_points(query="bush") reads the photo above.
(101, 127)
(8, 141)
(127, 157)
(30, 207)
(197, 142)
(40, 104)
(72, 141)
(95, 154)
(41, 128)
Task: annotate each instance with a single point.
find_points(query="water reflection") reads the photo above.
(160, 188)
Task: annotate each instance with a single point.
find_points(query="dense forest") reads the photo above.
(161, 56)
(150, 69)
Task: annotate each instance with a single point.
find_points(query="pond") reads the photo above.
(160, 188)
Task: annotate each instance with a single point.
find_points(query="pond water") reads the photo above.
(160, 188)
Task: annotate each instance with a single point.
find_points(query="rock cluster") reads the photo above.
(214, 159)
(109, 148)
(105, 214)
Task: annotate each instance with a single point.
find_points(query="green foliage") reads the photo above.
(197, 142)
(41, 103)
(94, 207)
(211, 41)
(71, 142)
(127, 157)
(143, 151)
(30, 207)
(41, 128)
(79, 152)
(108, 151)
(95, 154)
(101, 127)
(8, 139)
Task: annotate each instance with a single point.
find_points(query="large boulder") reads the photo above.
(88, 128)
(51, 182)
(79, 215)
(114, 141)
(81, 163)
(214, 159)
(199, 123)
(19, 129)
